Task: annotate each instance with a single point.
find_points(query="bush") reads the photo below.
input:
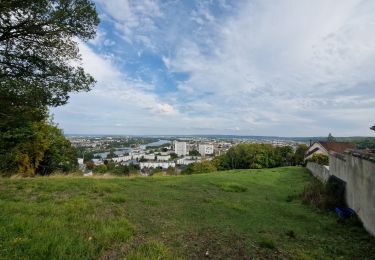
(200, 167)
(325, 196)
(319, 159)
(100, 169)
(255, 156)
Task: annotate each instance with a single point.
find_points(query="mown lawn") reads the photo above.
(234, 214)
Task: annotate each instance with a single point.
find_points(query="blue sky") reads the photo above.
(286, 68)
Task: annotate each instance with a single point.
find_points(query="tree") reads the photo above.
(299, 155)
(38, 50)
(102, 168)
(201, 167)
(173, 156)
(38, 68)
(60, 155)
(286, 155)
(330, 138)
(194, 153)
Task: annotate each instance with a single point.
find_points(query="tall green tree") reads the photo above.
(39, 59)
(330, 138)
(299, 155)
(39, 50)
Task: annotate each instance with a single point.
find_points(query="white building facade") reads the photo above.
(149, 156)
(180, 148)
(163, 165)
(163, 157)
(206, 149)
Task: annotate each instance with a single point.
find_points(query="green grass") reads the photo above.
(234, 214)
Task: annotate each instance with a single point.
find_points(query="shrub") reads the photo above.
(200, 167)
(100, 168)
(325, 196)
(319, 159)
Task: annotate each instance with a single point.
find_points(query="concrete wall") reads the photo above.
(320, 172)
(359, 175)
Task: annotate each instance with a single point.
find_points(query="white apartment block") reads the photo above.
(149, 156)
(185, 161)
(163, 165)
(122, 158)
(163, 157)
(136, 156)
(180, 148)
(205, 149)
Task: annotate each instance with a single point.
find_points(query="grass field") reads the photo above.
(234, 214)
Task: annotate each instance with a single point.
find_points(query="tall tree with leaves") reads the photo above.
(39, 59)
(330, 138)
(38, 50)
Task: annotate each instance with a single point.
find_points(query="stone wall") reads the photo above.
(320, 172)
(359, 175)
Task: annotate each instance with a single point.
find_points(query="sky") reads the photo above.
(255, 67)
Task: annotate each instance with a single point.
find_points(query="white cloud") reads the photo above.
(116, 100)
(282, 60)
(133, 19)
(264, 67)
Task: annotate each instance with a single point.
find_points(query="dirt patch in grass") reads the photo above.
(231, 187)
(211, 243)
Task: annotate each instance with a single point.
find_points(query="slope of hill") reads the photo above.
(234, 214)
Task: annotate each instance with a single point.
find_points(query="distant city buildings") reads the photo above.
(206, 149)
(188, 160)
(124, 150)
(163, 165)
(180, 148)
(163, 157)
(149, 156)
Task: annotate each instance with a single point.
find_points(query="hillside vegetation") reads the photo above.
(231, 214)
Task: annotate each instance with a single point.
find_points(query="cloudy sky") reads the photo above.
(254, 67)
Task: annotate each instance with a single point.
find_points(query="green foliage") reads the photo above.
(200, 167)
(38, 69)
(286, 155)
(111, 165)
(330, 138)
(60, 155)
(366, 143)
(251, 156)
(36, 147)
(102, 168)
(255, 156)
(299, 155)
(325, 196)
(90, 165)
(125, 170)
(38, 53)
(173, 156)
(319, 159)
(194, 153)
